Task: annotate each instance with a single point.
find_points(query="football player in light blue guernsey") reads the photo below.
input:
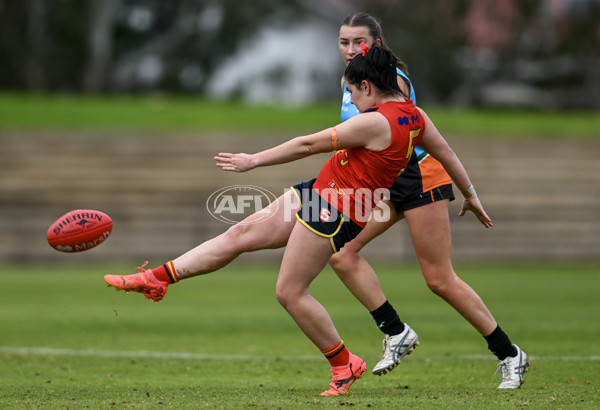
(421, 196)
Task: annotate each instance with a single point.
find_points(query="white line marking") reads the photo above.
(550, 358)
(50, 351)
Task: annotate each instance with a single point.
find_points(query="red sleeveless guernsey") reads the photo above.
(349, 179)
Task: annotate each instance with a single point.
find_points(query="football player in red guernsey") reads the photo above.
(316, 218)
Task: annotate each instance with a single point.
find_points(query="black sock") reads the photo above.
(500, 344)
(387, 319)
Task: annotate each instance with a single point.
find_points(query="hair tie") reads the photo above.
(364, 47)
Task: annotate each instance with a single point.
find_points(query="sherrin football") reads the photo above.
(79, 230)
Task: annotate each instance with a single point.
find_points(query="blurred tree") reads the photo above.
(427, 36)
(102, 18)
(40, 46)
(473, 52)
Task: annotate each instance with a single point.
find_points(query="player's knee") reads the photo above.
(436, 287)
(336, 262)
(283, 295)
(343, 263)
(439, 281)
(289, 293)
(281, 298)
(240, 237)
(232, 238)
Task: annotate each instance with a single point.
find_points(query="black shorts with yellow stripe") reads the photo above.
(322, 218)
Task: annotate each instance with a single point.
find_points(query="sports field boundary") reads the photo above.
(50, 351)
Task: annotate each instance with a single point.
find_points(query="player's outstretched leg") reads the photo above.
(342, 377)
(512, 369)
(253, 233)
(395, 348)
(153, 285)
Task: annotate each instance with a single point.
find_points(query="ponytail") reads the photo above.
(376, 65)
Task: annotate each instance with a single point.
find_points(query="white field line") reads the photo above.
(50, 351)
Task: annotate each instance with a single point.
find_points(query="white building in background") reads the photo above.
(282, 65)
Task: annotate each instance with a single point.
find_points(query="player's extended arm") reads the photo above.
(292, 150)
(369, 130)
(433, 142)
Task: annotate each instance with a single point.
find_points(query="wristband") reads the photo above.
(469, 193)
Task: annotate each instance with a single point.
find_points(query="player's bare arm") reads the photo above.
(292, 150)
(369, 130)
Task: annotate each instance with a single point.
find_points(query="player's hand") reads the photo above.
(235, 162)
(474, 205)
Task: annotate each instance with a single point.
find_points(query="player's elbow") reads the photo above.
(444, 154)
(306, 148)
(449, 153)
(314, 144)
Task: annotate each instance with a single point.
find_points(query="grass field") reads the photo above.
(161, 113)
(222, 341)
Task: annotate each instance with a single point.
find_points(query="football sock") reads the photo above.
(166, 273)
(387, 319)
(337, 355)
(500, 344)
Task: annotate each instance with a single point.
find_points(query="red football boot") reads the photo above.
(342, 377)
(144, 282)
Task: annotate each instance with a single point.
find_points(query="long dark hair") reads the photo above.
(378, 66)
(366, 20)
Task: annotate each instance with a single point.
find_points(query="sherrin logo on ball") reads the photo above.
(79, 230)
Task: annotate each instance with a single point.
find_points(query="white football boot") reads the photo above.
(395, 348)
(512, 369)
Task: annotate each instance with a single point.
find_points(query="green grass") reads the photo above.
(222, 341)
(154, 113)
(163, 114)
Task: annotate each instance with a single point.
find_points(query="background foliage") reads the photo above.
(532, 53)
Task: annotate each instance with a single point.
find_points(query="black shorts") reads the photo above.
(322, 218)
(403, 202)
